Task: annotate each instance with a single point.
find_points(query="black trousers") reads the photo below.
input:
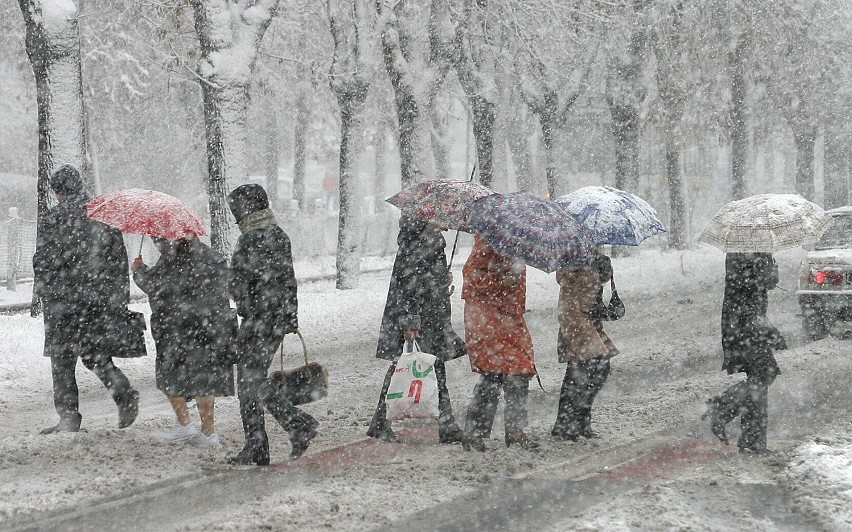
(483, 404)
(749, 400)
(446, 421)
(65, 393)
(583, 380)
(258, 341)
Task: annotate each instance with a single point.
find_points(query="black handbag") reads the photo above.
(612, 311)
(302, 385)
(123, 335)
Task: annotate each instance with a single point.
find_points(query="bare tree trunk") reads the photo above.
(518, 136)
(348, 230)
(54, 53)
(350, 75)
(838, 163)
(484, 116)
(739, 138)
(229, 35)
(805, 138)
(548, 137)
(225, 116)
(440, 149)
(625, 130)
(300, 139)
(272, 155)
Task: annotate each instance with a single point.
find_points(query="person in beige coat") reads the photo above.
(584, 345)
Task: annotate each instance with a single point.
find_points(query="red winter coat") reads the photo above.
(496, 333)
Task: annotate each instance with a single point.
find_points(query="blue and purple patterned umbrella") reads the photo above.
(538, 231)
(613, 216)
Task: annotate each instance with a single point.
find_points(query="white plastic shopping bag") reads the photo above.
(413, 391)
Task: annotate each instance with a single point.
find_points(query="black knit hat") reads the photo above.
(66, 181)
(246, 199)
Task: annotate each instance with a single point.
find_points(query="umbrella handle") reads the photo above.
(142, 241)
(472, 173)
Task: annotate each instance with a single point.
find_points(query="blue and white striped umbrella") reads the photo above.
(537, 231)
(613, 216)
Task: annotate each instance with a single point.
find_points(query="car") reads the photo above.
(825, 282)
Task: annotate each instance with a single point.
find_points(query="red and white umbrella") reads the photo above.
(146, 212)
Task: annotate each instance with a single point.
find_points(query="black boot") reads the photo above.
(128, 408)
(67, 424)
(301, 438)
(520, 438)
(451, 433)
(252, 454)
(717, 425)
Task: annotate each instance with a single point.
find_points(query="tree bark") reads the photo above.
(272, 155)
(805, 138)
(348, 230)
(625, 131)
(739, 133)
(300, 139)
(484, 116)
(838, 163)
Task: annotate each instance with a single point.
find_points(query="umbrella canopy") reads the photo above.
(613, 216)
(766, 223)
(442, 202)
(146, 212)
(538, 231)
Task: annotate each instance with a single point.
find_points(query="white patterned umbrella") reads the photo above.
(613, 216)
(766, 223)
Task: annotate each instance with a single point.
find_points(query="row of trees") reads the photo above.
(545, 85)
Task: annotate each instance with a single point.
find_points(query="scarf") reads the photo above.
(261, 219)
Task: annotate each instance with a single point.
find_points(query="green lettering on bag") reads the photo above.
(418, 374)
(395, 395)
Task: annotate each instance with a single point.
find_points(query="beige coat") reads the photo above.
(584, 340)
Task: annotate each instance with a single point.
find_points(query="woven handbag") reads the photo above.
(302, 385)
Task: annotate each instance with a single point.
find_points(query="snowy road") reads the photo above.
(656, 466)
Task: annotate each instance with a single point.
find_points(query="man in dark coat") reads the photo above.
(748, 344)
(81, 277)
(418, 306)
(263, 286)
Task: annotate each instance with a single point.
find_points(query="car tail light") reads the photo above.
(826, 277)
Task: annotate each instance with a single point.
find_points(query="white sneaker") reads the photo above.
(205, 441)
(181, 432)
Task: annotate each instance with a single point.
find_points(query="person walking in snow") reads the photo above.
(418, 307)
(749, 341)
(81, 277)
(584, 345)
(193, 328)
(263, 286)
(499, 345)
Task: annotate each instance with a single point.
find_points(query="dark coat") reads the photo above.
(263, 284)
(81, 275)
(191, 320)
(419, 295)
(746, 333)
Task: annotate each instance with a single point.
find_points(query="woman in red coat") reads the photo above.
(498, 343)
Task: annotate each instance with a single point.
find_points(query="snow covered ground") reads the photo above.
(656, 465)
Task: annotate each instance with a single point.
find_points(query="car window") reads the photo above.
(839, 235)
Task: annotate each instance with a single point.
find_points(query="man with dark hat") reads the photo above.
(263, 286)
(81, 276)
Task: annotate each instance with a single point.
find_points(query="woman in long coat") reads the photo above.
(498, 343)
(584, 345)
(418, 306)
(748, 344)
(193, 327)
